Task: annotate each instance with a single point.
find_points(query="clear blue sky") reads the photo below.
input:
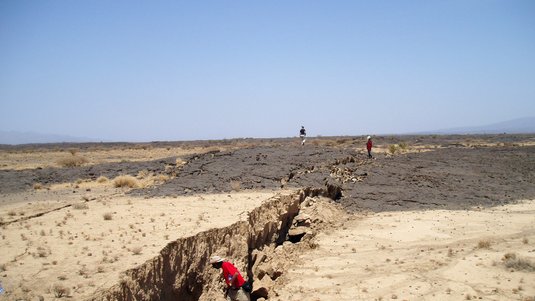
(181, 70)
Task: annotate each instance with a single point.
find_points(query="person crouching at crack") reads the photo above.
(233, 279)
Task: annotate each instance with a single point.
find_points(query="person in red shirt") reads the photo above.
(369, 145)
(233, 279)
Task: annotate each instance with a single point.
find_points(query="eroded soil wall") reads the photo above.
(181, 271)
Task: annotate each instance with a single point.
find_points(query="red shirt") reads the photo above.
(228, 271)
(369, 144)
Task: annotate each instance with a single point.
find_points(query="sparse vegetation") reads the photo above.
(61, 290)
(72, 161)
(125, 181)
(392, 149)
(102, 179)
(108, 216)
(37, 186)
(512, 261)
(483, 244)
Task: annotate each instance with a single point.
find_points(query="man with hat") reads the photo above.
(232, 277)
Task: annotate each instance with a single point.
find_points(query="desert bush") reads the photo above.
(72, 161)
(11, 213)
(403, 146)
(61, 290)
(108, 216)
(125, 181)
(102, 179)
(392, 148)
(483, 244)
(512, 261)
(37, 186)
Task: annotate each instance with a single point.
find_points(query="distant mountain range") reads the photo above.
(516, 126)
(13, 137)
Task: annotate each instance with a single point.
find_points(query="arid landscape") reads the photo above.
(430, 217)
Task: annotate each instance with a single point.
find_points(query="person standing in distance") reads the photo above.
(369, 145)
(233, 279)
(303, 135)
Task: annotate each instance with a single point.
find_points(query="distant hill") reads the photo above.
(13, 137)
(515, 126)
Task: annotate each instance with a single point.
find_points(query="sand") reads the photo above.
(419, 255)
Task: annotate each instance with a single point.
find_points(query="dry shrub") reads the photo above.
(108, 216)
(42, 252)
(37, 186)
(61, 290)
(512, 261)
(403, 146)
(125, 181)
(73, 151)
(483, 244)
(72, 161)
(392, 149)
(102, 179)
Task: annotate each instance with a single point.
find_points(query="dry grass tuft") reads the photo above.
(102, 179)
(392, 149)
(483, 244)
(125, 181)
(512, 261)
(61, 290)
(38, 186)
(72, 161)
(108, 216)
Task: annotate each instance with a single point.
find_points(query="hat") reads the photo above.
(215, 259)
(369, 137)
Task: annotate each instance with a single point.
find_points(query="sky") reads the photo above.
(187, 70)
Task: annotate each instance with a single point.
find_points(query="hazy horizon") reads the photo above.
(172, 70)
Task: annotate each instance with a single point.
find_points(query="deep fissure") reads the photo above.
(181, 271)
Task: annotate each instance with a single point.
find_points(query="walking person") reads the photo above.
(303, 135)
(236, 285)
(369, 145)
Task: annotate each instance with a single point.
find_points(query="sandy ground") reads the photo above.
(420, 255)
(85, 245)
